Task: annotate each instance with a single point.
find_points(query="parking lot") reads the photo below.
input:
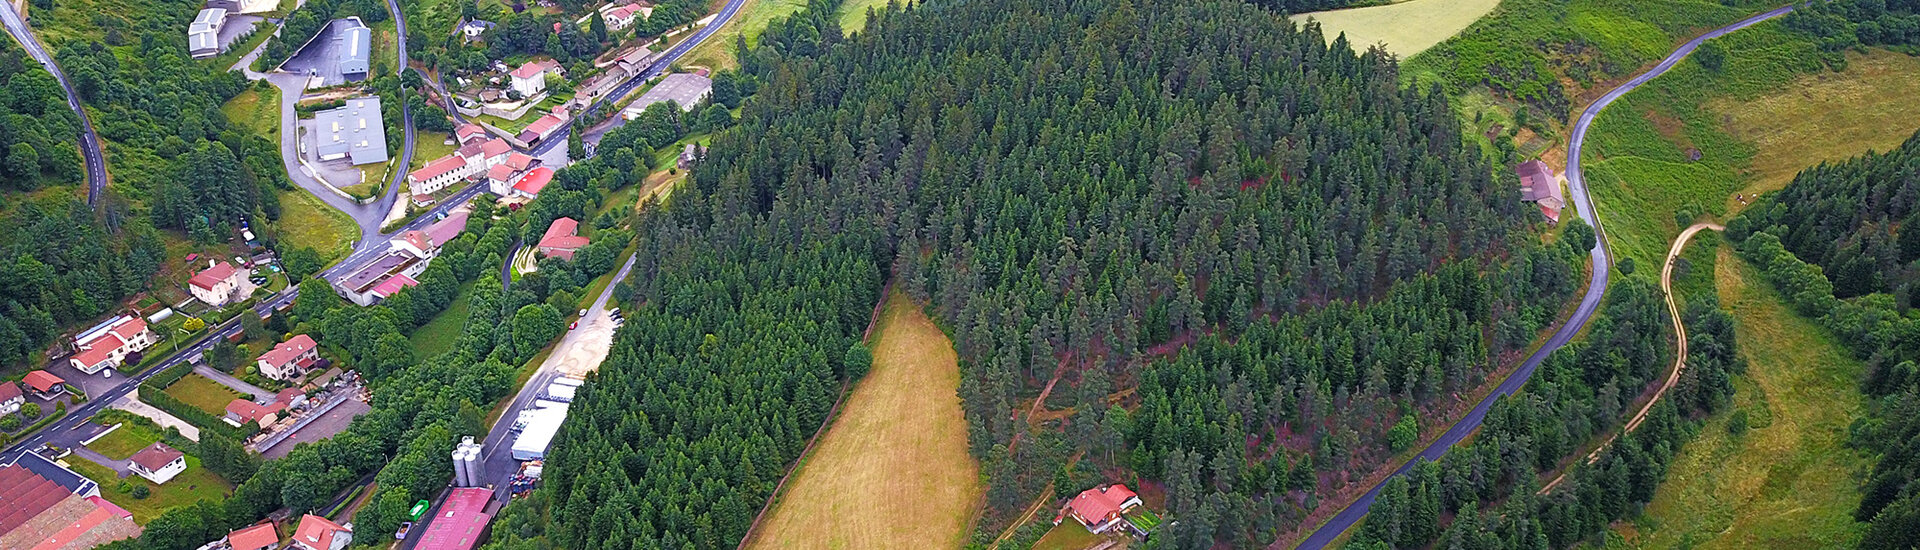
(321, 57)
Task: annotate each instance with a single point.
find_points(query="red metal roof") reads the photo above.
(42, 381)
(534, 181)
(459, 522)
(212, 276)
(254, 538)
(393, 284)
(289, 350)
(561, 235)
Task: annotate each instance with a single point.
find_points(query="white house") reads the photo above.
(11, 398)
(217, 285)
(289, 359)
(316, 533)
(531, 78)
(470, 160)
(107, 344)
(621, 16)
(158, 463)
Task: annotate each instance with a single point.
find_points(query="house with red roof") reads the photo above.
(531, 79)
(217, 285)
(11, 398)
(621, 16)
(469, 133)
(1100, 508)
(1539, 185)
(45, 384)
(241, 411)
(541, 129)
(261, 536)
(562, 239)
(437, 175)
(317, 533)
(530, 184)
(290, 359)
(158, 463)
(107, 344)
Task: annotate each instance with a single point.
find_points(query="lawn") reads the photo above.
(203, 393)
(1406, 28)
(257, 110)
(193, 485)
(123, 442)
(307, 222)
(717, 51)
(1768, 113)
(853, 13)
(438, 335)
(1790, 481)
(1068, 535)
(899, 439)
(428, 146)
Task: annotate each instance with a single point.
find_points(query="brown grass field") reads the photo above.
(1406, 28)
(893, 470)
(1827, 116)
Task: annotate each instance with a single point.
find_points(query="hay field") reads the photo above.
(1406, 28)
(1827, 116)
(893, 470)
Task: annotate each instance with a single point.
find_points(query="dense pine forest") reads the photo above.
(1840, 242)
(1245, 264)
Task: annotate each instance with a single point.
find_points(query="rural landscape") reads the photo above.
(968, 274)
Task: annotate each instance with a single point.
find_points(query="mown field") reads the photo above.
(307, 222)
(1789, 481)
(1404, 28)
(203, 393)
(122, 443)
(1642, 165)
(898, 446)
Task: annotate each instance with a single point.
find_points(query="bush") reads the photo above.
(31, 411)
(10, 423)
(141, 492)
(1737, 425)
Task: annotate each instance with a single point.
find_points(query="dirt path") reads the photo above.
(1680, 343)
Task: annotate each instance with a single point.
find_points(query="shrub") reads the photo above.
(1737, 425)
(10, 423)
(31, 411)
(141, 492)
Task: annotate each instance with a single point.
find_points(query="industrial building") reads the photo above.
(45, 505)
(203, 35)
(354, 130)
(685, 89)
(542, 425)
(356, 57)
(461, 522)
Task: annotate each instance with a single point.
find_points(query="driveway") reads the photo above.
(229, 381)
(132, 403)
(118, 466)
(367, 216)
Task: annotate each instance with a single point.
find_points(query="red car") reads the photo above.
(573, 325)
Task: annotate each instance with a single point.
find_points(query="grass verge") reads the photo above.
(900, 438)
(717, 51)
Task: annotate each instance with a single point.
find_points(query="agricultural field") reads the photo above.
(203, 393)
(717, 51)
(1789, 481)
(1405, 28)
(1687, 143)
(899, 439)
(307, 222)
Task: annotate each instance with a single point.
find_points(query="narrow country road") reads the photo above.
(385, 204)
(1596, 288)
(88, 141)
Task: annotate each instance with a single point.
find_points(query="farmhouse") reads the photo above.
(531, 78)
(685, 89)
(203, 35)
(352, 131)
(158, 463)
(217, 285)
(257, 537)
(107, 344)
(46, 505)
(11, 398)
(289, 359)
(44, 384)
(1539, 185)
(561, 240)
(1100, 508)
(316, 533)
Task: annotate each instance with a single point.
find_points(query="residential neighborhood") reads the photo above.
(108, 344)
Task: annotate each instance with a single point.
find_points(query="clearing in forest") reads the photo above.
(893, 470)
(1789, 481)
(1827, 116)
(1405, 28)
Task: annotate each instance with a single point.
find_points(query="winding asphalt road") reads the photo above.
(89, 142)
(1596, 287)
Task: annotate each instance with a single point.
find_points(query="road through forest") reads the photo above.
(1346, 518)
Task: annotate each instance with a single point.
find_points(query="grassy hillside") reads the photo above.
(717, 51)
(1789, 480)
(1405, 28)
(899, 439)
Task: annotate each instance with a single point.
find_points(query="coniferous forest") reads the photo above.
(1246, 264)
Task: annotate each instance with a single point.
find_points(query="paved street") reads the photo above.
(89, 142)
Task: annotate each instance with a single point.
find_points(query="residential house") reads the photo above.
(44, 384)
(530, 184)
(241, 411)
(501, 177)
(1099, 509)
(11, 398)
(218, 284)
(542, 129)
(1539, 185)
(688, 155)
(531, 79)
(316, 533)
(107, 344)
(472, 30)
(469, 133)
(290, 359)
(621, 16)
(158, 463)
(203, 34)
(684, 89)
(562, 239)
(258, 537)
(353, 131)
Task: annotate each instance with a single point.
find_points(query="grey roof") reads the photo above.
(41, 466)
(203, 35)
(355, 59)
(355, 129)
(209, 18)
(683, 88)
